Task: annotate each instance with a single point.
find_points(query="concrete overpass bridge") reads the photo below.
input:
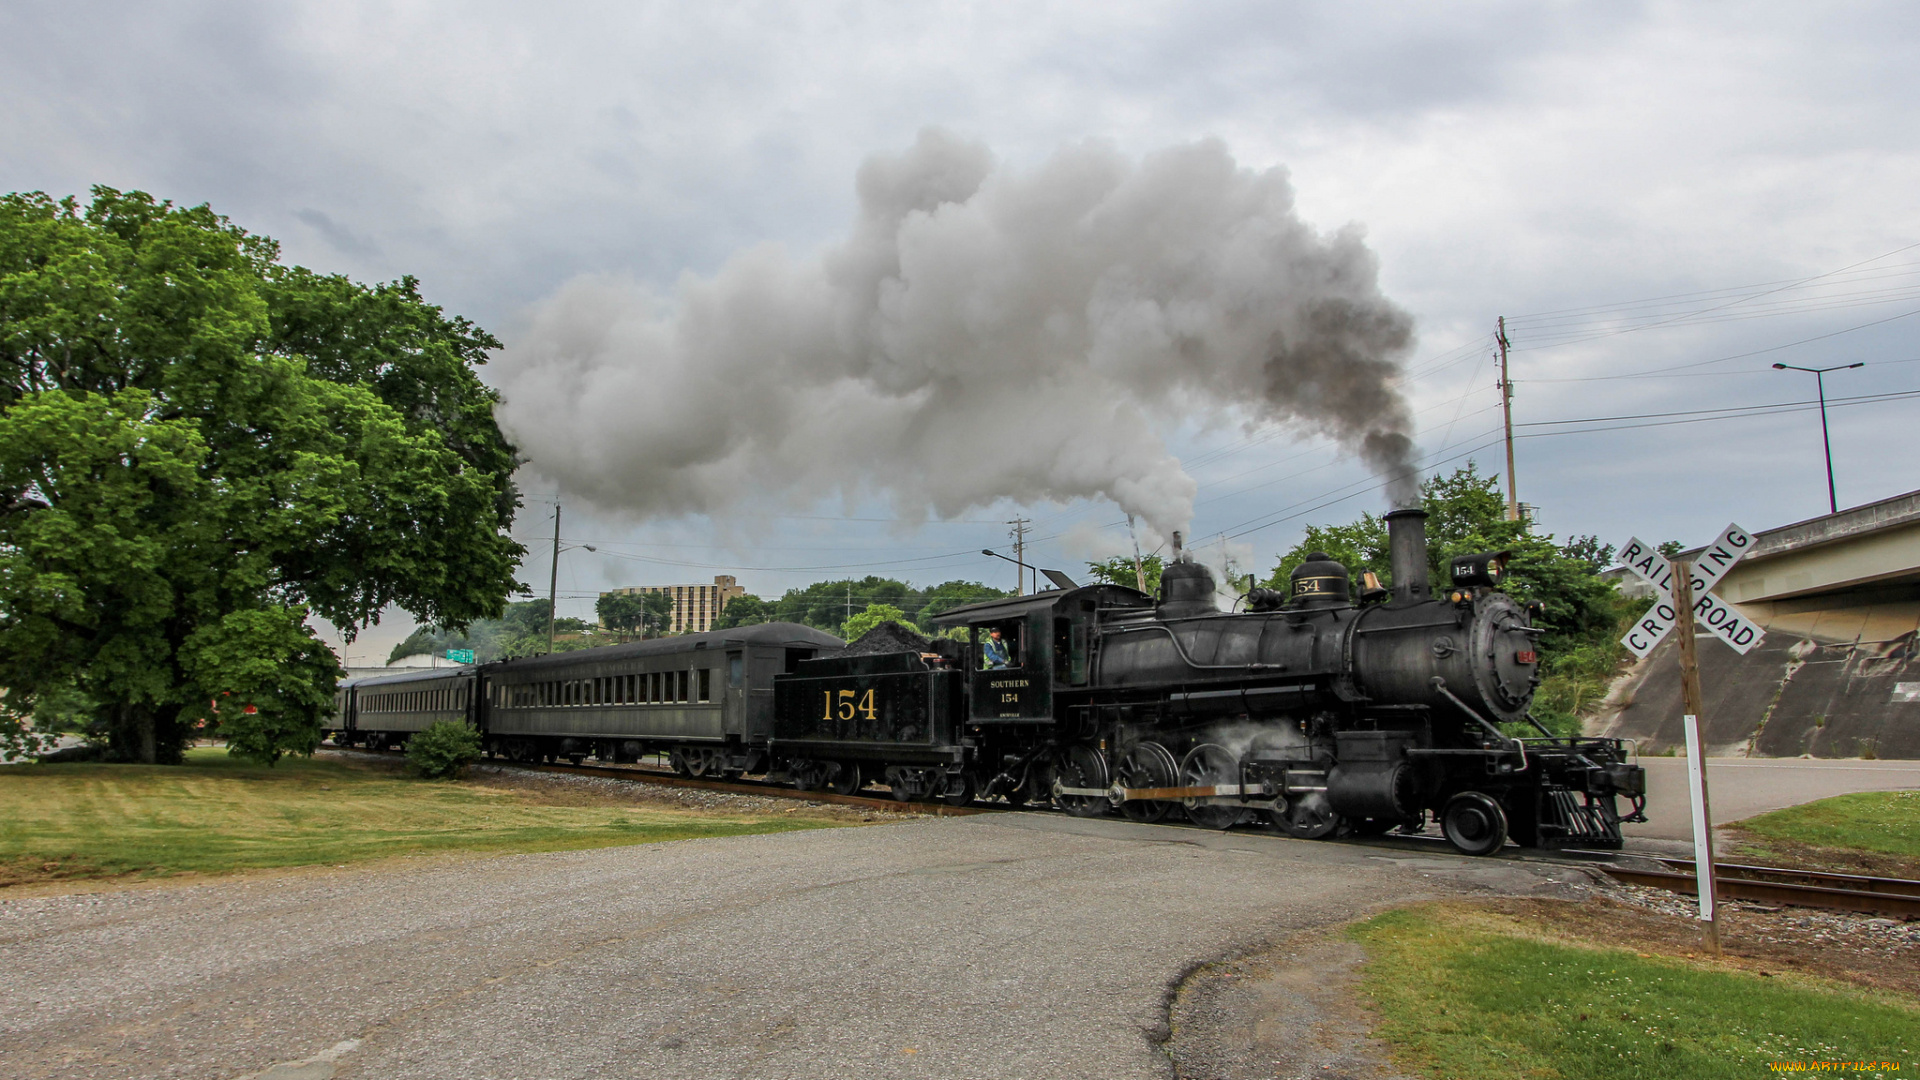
(1839, 598)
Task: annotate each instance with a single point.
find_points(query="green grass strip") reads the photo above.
(1887, 822)
(217, 813)
(1465, 1000)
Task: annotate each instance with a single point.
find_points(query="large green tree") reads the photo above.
(200, 447)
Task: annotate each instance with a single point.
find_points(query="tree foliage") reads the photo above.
(443, 749)
(1119, 571)
(828, 604)
(520, 631)
(873, 616)
(656, 616)
(623, 613)
(744, 610)
(199, 447)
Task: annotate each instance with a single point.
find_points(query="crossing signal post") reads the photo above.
(1682, 595)
(1691, 709)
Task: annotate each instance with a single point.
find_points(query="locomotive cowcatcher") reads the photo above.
(1316, 712)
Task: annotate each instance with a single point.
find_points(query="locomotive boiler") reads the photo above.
(1322, 710)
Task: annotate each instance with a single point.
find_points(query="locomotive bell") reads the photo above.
(1319, 582)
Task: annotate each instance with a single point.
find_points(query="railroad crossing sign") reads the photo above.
(1709, 610)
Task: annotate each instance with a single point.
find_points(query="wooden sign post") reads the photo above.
(1682, 594)
(1696, 757)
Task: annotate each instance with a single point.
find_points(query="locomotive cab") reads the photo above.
(1051, 641)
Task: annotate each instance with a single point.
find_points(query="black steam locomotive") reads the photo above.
(1315, 712)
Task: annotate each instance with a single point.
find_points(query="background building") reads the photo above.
(695, 607)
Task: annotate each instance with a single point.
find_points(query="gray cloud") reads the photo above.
(343, 239)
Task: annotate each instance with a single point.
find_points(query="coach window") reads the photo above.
(706, 684)
(736, 670)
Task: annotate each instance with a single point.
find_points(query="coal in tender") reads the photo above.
(888, 637)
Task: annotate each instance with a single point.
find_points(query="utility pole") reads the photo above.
(1019, 535)
(553, 577)
(1139, 569)
(1506, 406)
(1696, 752)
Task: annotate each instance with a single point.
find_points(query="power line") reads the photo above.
(1736, 356)
(1709, 415)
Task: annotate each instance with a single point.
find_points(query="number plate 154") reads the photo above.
(845, 704)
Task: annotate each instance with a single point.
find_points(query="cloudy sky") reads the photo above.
(1663, 200)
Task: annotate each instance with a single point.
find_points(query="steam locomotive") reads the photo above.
(1315, 712)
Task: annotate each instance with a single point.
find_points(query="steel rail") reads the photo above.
(733, 787)
(1781, 885)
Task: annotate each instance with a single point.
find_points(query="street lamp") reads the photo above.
(1820, 380)
(553, 575)
(1023, 568)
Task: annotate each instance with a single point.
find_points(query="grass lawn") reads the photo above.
(1466, 995)
(1875, 832)
(1887, 822)
(216, 813)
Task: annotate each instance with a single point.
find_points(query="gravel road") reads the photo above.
(1014, 945)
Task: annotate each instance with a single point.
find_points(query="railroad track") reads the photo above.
(666, 778)
(1768, 884)
(1896, 897)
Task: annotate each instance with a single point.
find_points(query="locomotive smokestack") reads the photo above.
(1407, 548)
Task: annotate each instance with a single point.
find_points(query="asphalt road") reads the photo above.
(1742, 787)
(1004, 946)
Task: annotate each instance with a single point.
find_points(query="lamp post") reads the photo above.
(1826, 443)
(1022, 590)
(553, 574)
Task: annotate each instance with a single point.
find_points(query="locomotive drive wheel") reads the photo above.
(1147, 765)
(1081, 766)
(848, 779)
(1474, 823)
(1206, 764)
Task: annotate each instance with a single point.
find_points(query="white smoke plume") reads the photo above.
(982, 333)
